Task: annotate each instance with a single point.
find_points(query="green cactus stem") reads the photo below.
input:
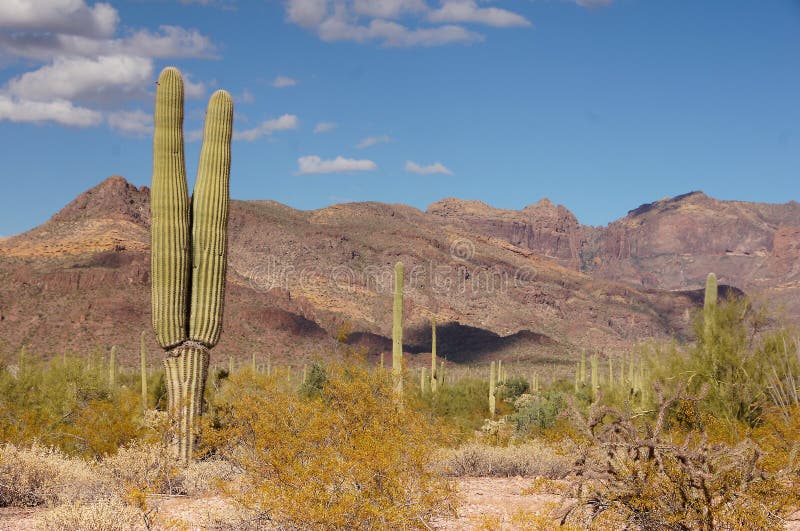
(143, 369)
(397, 331)
(610, 372)
(434, 375)
(189, 249)
(595, 375)
(492, 382)
(112, 368)
(583, 367)
(253, 366)
(422, 375)
(709, 308)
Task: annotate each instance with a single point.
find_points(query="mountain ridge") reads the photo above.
(518, 283)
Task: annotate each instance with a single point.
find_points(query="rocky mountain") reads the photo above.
(671, 244)
(528, 284)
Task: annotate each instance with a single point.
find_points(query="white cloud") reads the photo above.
(313, 164)
(72, 17)
(367, 20)
(59, 111)
(84, 78)
(436, 167)
(307, 13)
(132, 122)
(283, 123)
(283, 82)
(168, 41)
(467, 11)
(324, 127)
(79, 63)
(388, 8)
(372, 140)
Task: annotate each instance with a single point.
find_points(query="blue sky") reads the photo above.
(600, 105)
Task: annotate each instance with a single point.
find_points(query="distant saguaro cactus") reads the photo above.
(397, 331)
(434, 375)
(189, 249)
(112, 368)
(492, 382)
(143, 368)
(709, 307)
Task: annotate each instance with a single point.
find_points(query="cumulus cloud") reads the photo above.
(131, 122)
(313, 164)
(436, 167)
(283, 82)
(84, 74)
(324, 127)
(388, 8)
(71, 17)
(371, 20)
(60, 111)
(83, 78)
(372, 140)
(168, 41)
(283, 123)
(467, 11)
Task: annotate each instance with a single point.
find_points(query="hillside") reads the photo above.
(521, 284)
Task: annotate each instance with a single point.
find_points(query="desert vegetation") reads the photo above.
(696, 436)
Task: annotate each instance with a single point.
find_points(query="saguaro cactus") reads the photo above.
(492, 382)
(397, 331)
(112, 368)
(434, 375)
(143, 368)
(709, 308)
(189, 249)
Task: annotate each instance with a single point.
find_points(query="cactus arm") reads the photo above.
(209, 222)
(169, 215)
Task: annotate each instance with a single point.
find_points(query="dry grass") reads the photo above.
(104, 514)
(534, 458)
(38, 475)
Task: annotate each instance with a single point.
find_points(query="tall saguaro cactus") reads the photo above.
(434, 375)
(709, 307)
(397, 331)
(189, 249)
(492, 383)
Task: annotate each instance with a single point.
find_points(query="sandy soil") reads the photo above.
(490, 502)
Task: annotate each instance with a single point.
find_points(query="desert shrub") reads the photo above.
(463, 404)
(634, 473)
(534, 458)
(68, 404)
(536, 412)
(347, 458)
(105, 514)
(142, 467)
(512, 388)
(738, 360)
(39, 475)
(315, 379)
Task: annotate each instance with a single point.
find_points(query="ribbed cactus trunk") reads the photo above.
(112, 368)
(595, 375)
(434, 375)
(709, 308)
(143, 369)
(492, 382)
(189, 250)
(422, 383)
(397, 332)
